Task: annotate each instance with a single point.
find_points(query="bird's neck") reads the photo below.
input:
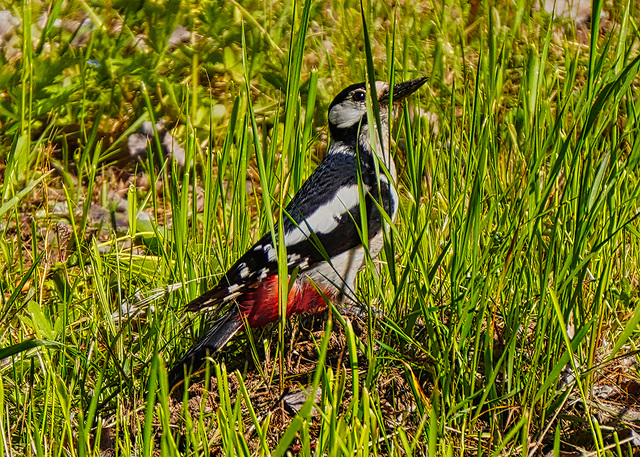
(365, 148)
(377, 145)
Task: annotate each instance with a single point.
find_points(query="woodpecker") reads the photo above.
(322, 228)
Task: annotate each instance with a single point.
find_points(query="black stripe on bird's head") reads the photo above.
(348, 111)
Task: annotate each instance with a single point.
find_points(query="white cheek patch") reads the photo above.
(346, 114)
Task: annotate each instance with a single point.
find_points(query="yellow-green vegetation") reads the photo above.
(507, 290)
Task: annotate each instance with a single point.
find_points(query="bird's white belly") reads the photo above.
(339, 275)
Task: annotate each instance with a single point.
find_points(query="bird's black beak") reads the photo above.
(403, 90)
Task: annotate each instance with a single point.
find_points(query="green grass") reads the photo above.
(514, 257)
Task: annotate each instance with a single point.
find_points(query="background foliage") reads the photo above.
(509, 284)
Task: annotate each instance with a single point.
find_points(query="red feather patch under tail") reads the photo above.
(260, 305)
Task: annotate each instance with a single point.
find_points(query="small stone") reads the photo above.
(8, 24)
(604, 391)
(293, 401)
(138, 143)
(171, 148)
(630, 436)
(578, 10)
(180, 35)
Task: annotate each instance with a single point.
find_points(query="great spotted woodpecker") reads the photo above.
(322, 228)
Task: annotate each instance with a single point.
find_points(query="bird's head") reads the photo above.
(348, 111)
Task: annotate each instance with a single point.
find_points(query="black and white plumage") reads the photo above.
(322, 227)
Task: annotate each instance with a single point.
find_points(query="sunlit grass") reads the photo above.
(514, 259)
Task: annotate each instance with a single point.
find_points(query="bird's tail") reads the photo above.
(216, 337)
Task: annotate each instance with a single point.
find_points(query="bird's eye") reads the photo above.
(359, 96)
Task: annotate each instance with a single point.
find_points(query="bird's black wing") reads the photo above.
(307, 243)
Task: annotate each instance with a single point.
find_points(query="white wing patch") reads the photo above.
(293, 258)
(244, 272)
(228, 298)
(271, 253)
(325, 218)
